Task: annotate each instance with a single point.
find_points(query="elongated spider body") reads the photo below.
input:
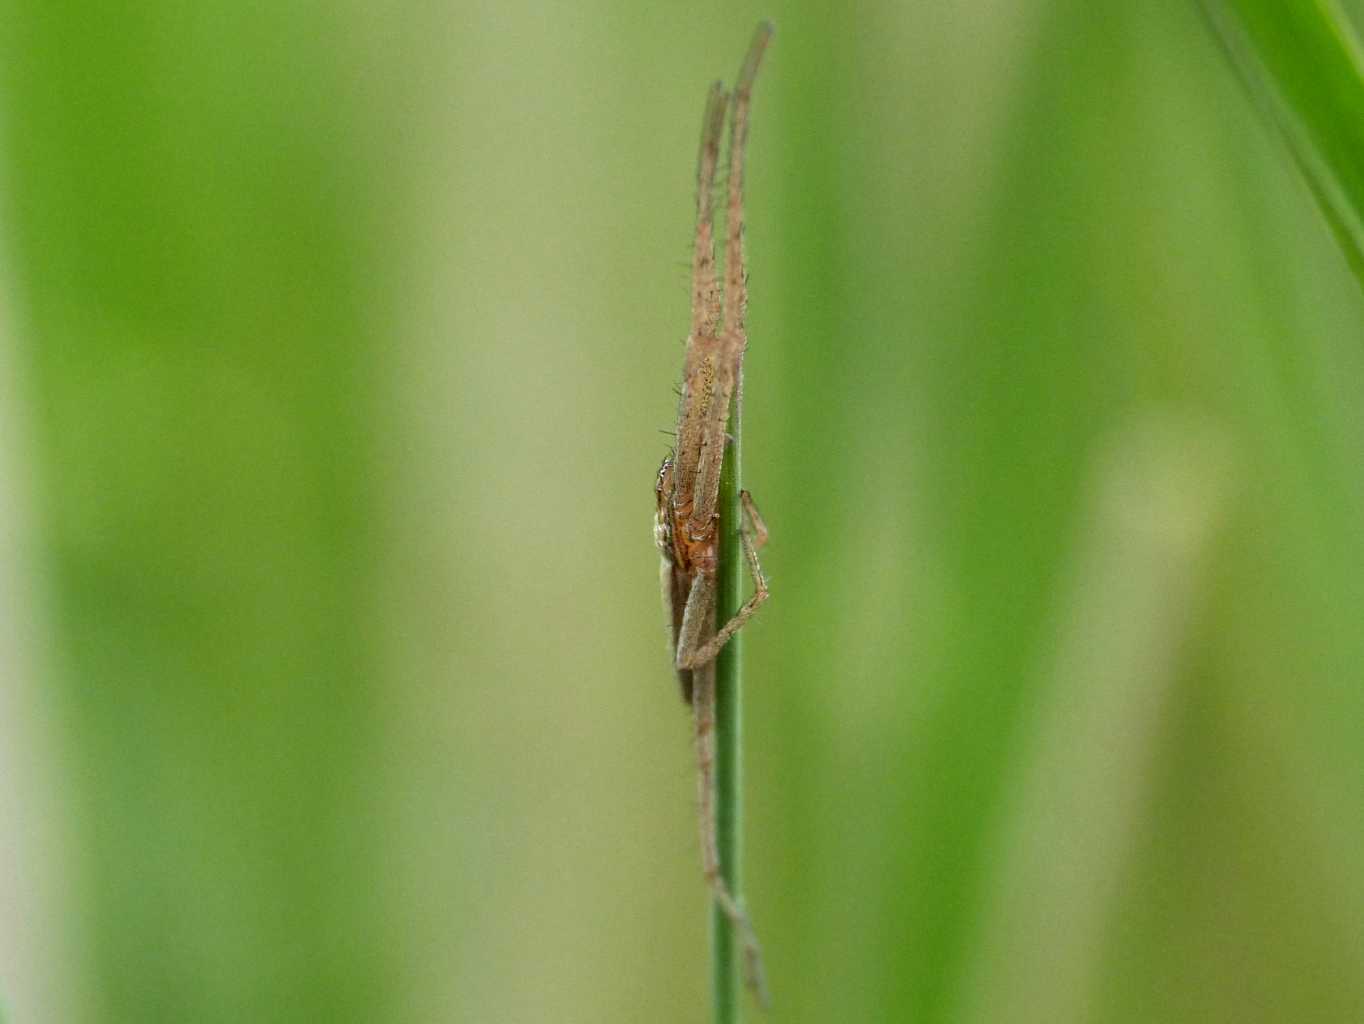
(687, 490)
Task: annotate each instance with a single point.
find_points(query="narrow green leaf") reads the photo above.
(1304, 68)
(728, 727)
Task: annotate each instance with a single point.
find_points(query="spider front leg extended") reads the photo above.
(694, 648)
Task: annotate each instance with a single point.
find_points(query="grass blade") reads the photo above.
(728, 726)
(1304, 68)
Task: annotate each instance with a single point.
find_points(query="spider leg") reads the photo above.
(698, 368)
(705, 302)
(732, 341)
(736, 276)
(755, 519)
(698, 619)
(674, 602)
(703, 704)
(691, 650)
(698, 622)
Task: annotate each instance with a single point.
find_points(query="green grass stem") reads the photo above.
(729, 726)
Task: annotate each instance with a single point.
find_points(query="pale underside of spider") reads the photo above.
(687, 526)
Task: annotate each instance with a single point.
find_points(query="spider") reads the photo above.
(687, 525)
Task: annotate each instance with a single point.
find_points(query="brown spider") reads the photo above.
(686, 528)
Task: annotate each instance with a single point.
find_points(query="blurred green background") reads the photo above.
(336, 343)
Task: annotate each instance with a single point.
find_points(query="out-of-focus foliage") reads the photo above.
(1305, 68)
(339, 338)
